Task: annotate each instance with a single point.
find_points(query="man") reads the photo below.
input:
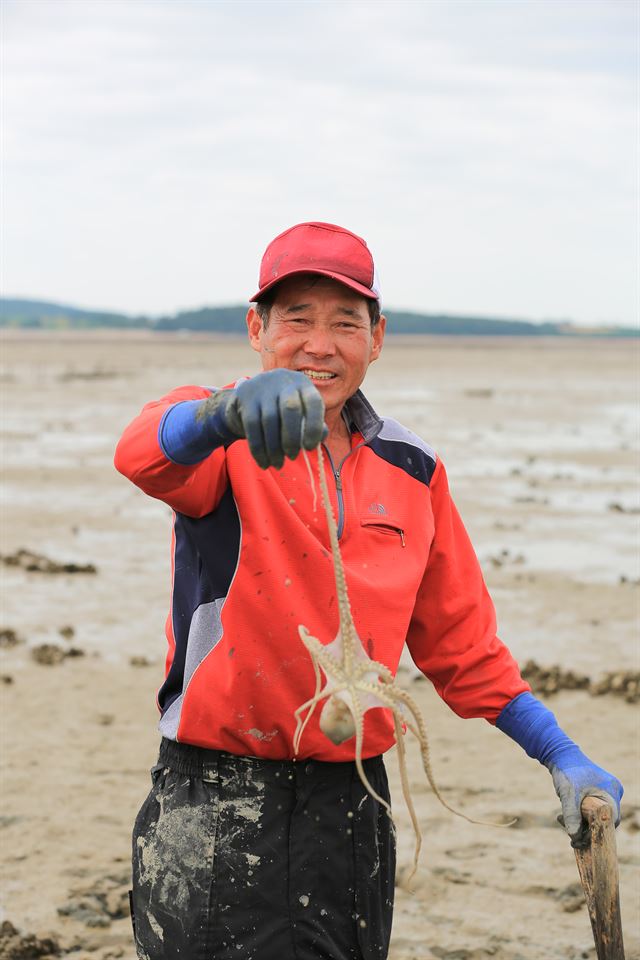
(243, 849)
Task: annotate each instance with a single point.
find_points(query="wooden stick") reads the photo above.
(598, 868)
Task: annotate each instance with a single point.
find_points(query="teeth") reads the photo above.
(318, 375)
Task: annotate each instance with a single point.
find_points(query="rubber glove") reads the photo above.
(279, 412)
(527, 721)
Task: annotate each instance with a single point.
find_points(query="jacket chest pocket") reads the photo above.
(385, 526)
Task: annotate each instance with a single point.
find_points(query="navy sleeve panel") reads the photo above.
(405, 449)
(206, 557)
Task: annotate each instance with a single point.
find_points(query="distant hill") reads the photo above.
(39, 314)
(217, 319)
(56, 316)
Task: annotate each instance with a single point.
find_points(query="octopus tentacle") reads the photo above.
(350, 672)
(406, 791)
(359, 721)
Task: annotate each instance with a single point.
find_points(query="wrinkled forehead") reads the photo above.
(314, 290)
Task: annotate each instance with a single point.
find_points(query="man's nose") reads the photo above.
(320, 342)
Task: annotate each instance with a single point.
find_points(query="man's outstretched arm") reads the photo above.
(278, 412)
(174, 449)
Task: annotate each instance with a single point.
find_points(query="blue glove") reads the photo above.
(527, 721)
(279, 412)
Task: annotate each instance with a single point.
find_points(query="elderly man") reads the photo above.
(243, 849)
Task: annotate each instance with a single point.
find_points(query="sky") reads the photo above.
(487, 150)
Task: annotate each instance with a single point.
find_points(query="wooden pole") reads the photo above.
(598, 868)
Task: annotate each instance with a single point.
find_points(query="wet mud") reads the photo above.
(9, 637)
(550, 680)
(100, 903)
(50, 654)
(15, 945)
(78, 740)
(37, 563)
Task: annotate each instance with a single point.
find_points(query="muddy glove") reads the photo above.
(527, 721)
(278, 412)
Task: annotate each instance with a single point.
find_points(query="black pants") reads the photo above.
(237, 857)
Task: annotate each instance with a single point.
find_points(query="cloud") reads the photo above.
(486, 150)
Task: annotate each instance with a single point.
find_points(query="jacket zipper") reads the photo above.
(387, 528)
(340, 501)
(338, 480)
(337, 476)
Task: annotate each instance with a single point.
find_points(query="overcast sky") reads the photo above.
(487, 150)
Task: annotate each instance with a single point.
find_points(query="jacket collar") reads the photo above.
(360, 415)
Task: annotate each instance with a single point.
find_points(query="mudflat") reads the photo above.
(540, 440)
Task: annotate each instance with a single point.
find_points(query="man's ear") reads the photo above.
(254, 328)
(378, 338)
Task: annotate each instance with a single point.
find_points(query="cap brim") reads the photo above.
(347, 281)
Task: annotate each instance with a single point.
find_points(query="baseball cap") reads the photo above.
(322, 248)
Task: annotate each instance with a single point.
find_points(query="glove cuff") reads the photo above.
(189, 431)
(534, 727)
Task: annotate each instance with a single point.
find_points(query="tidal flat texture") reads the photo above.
(540, 441)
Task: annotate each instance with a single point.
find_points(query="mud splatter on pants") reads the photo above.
(250, 859)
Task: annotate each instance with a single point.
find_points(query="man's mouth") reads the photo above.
(318, 374)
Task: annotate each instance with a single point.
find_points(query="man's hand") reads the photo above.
(576, 777)
(527, 721)
(279, 412)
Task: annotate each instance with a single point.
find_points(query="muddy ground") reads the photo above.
(540, 438)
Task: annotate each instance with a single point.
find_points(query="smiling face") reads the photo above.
(321, 328)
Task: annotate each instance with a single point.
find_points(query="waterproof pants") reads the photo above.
(240, 858)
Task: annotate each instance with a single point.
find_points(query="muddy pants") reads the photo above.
(250, 859)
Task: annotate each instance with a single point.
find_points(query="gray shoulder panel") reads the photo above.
(404, 449)
(394, 431)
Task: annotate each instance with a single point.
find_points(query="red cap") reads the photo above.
(320, 248)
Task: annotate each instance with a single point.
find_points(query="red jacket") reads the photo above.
(252, 561)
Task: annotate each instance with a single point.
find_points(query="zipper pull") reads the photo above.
(401, 532)
(338, 480)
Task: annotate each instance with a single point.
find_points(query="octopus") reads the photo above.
(354, 683)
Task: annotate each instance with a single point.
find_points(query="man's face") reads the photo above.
(323, 329)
